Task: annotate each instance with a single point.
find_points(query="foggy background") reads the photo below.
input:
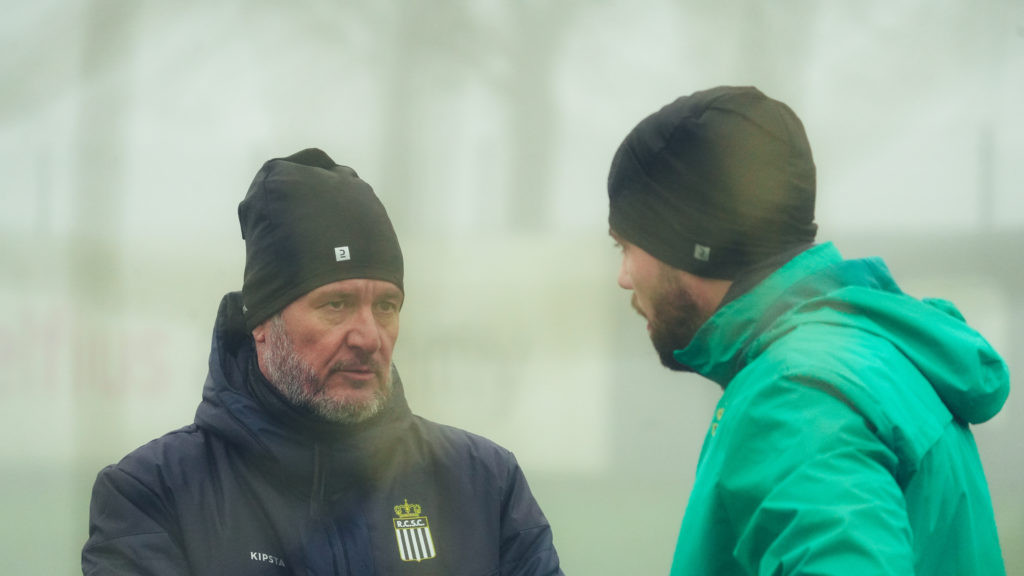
(130, 130)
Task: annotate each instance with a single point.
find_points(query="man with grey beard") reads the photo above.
(304, 457)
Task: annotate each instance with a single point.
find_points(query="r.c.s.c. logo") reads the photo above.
(412, 531)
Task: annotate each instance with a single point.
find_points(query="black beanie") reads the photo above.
(307, 222)
(715, 182)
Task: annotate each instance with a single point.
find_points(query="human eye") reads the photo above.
(335, 304)
(387, 306)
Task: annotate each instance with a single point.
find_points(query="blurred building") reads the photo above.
(130, 131)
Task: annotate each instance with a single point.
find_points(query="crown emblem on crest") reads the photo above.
(407, 510)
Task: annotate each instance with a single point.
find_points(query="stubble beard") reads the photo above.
(297, 381)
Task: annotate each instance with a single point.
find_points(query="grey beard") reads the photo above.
(297, 381)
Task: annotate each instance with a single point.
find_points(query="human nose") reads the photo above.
(625, 280)
(364, 333)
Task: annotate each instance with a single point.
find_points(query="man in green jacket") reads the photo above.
(841, 443)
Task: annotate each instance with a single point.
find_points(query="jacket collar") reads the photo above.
(725, 343)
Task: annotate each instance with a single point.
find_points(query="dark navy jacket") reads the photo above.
(254, 488)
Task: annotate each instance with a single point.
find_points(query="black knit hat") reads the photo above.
(306, 222)
(715, 182)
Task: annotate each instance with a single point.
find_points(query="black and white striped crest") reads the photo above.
(412, 531)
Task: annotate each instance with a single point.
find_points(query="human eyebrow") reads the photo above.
(617, 242)
(396, 297)
(331, 297)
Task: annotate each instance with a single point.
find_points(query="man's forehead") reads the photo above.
(354, 285)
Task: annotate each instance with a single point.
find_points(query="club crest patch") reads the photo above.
(415, 544)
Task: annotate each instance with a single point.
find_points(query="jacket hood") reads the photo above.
(289, 447)
(818, 286)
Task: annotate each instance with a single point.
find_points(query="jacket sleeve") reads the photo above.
(811, 488)
(129, 530)
(527, 548)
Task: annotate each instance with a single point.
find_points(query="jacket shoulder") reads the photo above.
(466, 454)
(458, 440)
(868, 373)
(164, 461)
(174, 445)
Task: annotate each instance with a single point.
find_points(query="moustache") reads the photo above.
(358, 362)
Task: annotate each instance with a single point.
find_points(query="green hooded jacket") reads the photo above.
(841, 442)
